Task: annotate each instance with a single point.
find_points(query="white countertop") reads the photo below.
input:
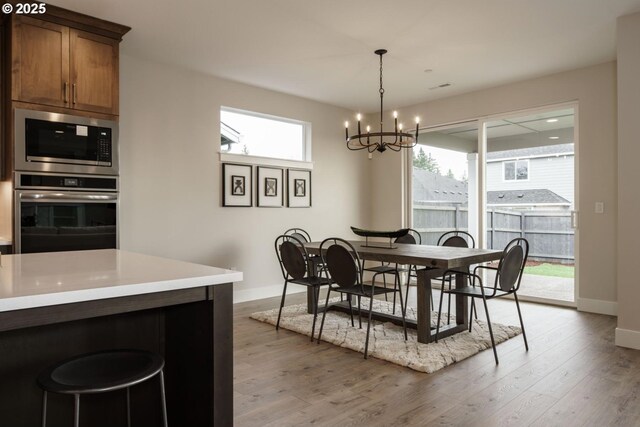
(52, 278)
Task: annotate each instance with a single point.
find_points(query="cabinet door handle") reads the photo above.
(75, 93)
(66, 92)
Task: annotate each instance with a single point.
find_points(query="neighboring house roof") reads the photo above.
(228, 135)
(525, 197)
(522, 153)
(433, 187)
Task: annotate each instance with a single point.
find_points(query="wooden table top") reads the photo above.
(444, 257)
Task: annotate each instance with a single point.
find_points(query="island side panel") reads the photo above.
(199, 356)
(223, 355)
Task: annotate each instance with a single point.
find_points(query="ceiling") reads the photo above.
(323, 50)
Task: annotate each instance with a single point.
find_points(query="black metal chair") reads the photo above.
(299, 234)
(411, 238)
(344, 265)
(297, 268)
(456, 239)
(508, 275)
(305, 237)
(102, 372)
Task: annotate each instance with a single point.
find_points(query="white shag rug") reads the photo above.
(386, 340)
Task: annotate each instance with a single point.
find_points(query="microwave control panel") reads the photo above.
(104, 147)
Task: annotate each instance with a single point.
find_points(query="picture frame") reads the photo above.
(298, 188)
(237, 189)
(269, 187)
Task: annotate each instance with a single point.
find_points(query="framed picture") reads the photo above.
(270, 187)
(298, 188)
(236, 185)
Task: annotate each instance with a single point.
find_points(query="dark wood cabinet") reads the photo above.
(64, 59)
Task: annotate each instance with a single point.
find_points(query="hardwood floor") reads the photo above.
(573, 375)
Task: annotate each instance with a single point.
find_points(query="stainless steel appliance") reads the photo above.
(62, 143)
(56, 212)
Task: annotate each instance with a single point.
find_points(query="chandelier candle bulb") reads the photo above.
(395, 119)
(359, 117)
(346, 130)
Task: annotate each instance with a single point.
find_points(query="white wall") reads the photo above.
(595, 90)
(628, 331)
(170, 174)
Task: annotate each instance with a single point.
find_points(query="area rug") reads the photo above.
(386, 341)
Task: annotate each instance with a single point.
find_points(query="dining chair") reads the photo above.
(411, 238)
(456, 239)
(299, 234)
(297, 268)
(305, 237)
(508, 276)
(345, 267)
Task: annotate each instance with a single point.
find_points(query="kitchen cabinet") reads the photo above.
(65, 66)
(94, 72)
(40, 62)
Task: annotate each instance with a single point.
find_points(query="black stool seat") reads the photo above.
(101, 372)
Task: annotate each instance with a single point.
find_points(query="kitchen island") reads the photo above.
(61, 304)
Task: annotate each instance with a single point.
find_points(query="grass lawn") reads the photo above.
(555, 270)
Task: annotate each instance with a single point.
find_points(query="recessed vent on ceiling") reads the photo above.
(440, 86)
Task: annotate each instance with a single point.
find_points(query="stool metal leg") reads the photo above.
(76, 411)
(44, 408)
(128, 408)
(165, 422)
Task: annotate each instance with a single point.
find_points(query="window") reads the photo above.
(516, 170)
(254, 134)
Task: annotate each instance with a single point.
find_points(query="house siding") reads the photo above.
(553, 173)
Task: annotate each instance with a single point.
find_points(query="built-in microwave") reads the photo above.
(52, 142)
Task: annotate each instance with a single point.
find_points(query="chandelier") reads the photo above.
(380, 141)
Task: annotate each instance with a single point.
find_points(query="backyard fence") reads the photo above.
(549, 232)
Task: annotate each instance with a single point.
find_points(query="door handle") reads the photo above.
(75, 93)
(66, 92)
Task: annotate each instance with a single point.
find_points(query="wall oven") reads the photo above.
(65, 212)
(62, 143)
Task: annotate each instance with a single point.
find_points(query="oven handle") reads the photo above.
(55, 197)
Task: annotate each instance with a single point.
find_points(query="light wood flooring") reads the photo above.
(573, 375)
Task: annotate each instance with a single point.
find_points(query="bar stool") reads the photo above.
(102, 372)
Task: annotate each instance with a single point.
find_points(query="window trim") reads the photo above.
(515, 179)
(265, 160)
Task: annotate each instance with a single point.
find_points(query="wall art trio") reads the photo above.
(270, 185)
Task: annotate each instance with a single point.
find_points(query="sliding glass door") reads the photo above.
(530, 168)
(501, 178)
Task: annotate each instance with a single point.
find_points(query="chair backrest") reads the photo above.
(292, 256)
(457, 239)
(512, 263)
(342, 261)
(299, 234)
(412, 237)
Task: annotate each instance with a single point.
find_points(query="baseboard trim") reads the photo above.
(628, 338)
(251, 294)
(597, 306)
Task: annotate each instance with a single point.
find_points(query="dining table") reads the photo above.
(431, 262)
